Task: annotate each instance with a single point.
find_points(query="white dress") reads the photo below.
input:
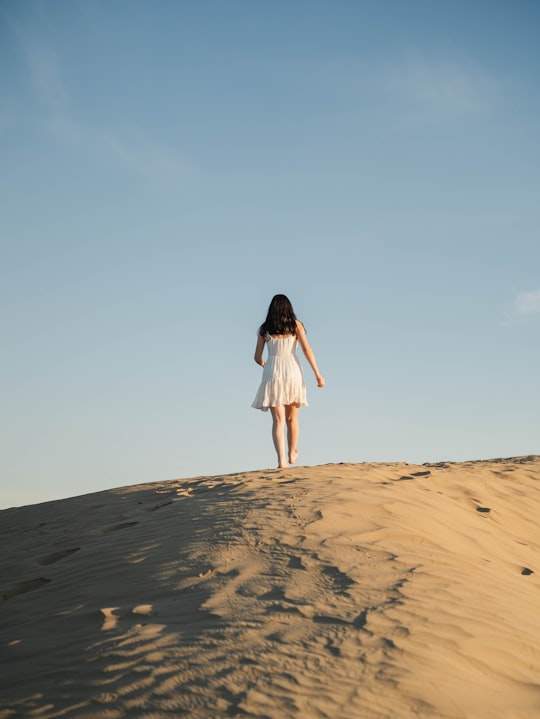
(283, 380)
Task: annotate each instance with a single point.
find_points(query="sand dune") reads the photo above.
(356, 591)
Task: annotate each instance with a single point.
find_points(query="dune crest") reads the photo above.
(352, 590)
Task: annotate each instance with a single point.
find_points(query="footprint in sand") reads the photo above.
(111, 615)
(339, 579)
(158, 506)
(324, 619)
(483, 510)
(56, 557)
(23, 587)
(117, 527)
(316, 516)
(295, 563)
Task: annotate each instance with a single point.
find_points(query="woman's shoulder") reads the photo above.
(262, 337)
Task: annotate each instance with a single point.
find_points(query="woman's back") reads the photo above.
(281, 346)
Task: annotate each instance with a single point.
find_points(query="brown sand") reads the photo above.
(355, 591)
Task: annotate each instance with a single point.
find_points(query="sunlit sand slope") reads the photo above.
(350, 591)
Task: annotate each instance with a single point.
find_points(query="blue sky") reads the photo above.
(169, 166)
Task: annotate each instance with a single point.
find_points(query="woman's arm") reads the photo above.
(259, 351)
(308, 352)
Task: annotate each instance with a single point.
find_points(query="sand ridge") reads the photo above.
(352, 590)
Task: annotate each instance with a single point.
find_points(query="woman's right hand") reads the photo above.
(320, 380)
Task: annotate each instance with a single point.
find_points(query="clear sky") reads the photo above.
(168, 166)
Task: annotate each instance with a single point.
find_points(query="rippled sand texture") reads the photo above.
(356, 591)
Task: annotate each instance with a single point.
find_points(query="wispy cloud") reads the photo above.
(42, 64)
(525, 305)
(45, 71)
(127, 148)
(148, 158)
(439, 89)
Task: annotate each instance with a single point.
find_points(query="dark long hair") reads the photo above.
(280, 319)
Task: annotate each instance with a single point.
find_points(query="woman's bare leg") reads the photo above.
(278, 429)
(293, 431)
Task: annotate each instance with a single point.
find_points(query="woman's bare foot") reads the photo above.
(293, 456)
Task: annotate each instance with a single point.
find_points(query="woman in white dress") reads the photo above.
(282, 389)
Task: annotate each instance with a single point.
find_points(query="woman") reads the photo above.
(283, 390)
